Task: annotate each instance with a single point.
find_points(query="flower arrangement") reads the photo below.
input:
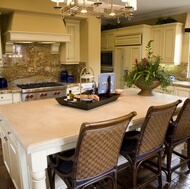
(147, 70)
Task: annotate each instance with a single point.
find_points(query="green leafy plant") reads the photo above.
(147, 70)
(165, 21)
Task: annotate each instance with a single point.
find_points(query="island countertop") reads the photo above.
(39, 125)
(36, 129)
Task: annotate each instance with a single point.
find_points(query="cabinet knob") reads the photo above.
(9, 133)
(5, 138)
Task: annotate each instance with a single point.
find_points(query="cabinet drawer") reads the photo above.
(5, 97)
(128, 40)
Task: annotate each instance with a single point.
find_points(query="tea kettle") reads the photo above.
(3, 82)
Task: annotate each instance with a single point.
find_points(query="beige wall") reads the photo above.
(41, 6)
(90, 43)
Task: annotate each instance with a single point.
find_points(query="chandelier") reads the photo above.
(97, 8)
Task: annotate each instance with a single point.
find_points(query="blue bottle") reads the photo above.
(70, 78)
(64, 76)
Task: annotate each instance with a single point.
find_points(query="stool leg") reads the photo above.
(188, 152)
(160, 169)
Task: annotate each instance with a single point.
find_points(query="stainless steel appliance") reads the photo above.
(107, 62)
(44, 90)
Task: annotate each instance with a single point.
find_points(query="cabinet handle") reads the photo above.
(5, 138)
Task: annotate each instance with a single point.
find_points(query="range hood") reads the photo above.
(27, 27)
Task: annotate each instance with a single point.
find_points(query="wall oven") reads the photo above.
(107, 62)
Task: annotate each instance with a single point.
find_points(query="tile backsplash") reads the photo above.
(35, 63)
(180, 71)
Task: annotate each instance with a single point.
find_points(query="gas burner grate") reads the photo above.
(38, 85)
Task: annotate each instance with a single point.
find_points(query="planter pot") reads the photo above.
(147, 91)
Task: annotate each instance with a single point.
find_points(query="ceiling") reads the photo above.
(161, 7)
(147, 9)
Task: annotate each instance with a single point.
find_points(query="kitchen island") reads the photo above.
(33, 130)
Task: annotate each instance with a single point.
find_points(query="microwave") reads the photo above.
(107, 58)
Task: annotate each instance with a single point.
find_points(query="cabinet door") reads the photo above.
(72, 48)
(156, 35)
(5, 147)
(17, 97)
(124, 60)
(130, 54)
(167, 42)
(14, 162)
(70, 52)
(6, 98)
(118, 66)
(107, 41)
(181, 91)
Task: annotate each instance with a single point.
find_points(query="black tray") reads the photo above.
(88, 105)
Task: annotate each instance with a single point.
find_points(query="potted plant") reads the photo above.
(147, 73)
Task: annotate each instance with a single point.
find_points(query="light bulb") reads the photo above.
(112, 14)
(83, 10)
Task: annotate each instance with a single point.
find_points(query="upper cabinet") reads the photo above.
(128, 40)
(70, 51)
(167, 42)
(107, 40)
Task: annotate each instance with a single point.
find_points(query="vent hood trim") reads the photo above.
(23, 36)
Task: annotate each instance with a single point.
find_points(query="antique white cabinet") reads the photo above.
(167, 42)
(10, 154)
(70, 51)
(6, 98)
(16, 97)
(9, 98)
(107, 41)
(182, 91)
(124, 60)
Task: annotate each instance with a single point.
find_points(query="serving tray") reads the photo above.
(86, 105)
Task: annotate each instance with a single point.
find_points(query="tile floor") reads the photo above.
(180, 178)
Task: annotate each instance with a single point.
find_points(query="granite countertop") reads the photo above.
(185, 84)
(10, 90)
(14, 89)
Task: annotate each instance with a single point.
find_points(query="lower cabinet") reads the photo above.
(182, 91)
(16, 97)
(11, 155)
(9, 98)
(6, 98)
